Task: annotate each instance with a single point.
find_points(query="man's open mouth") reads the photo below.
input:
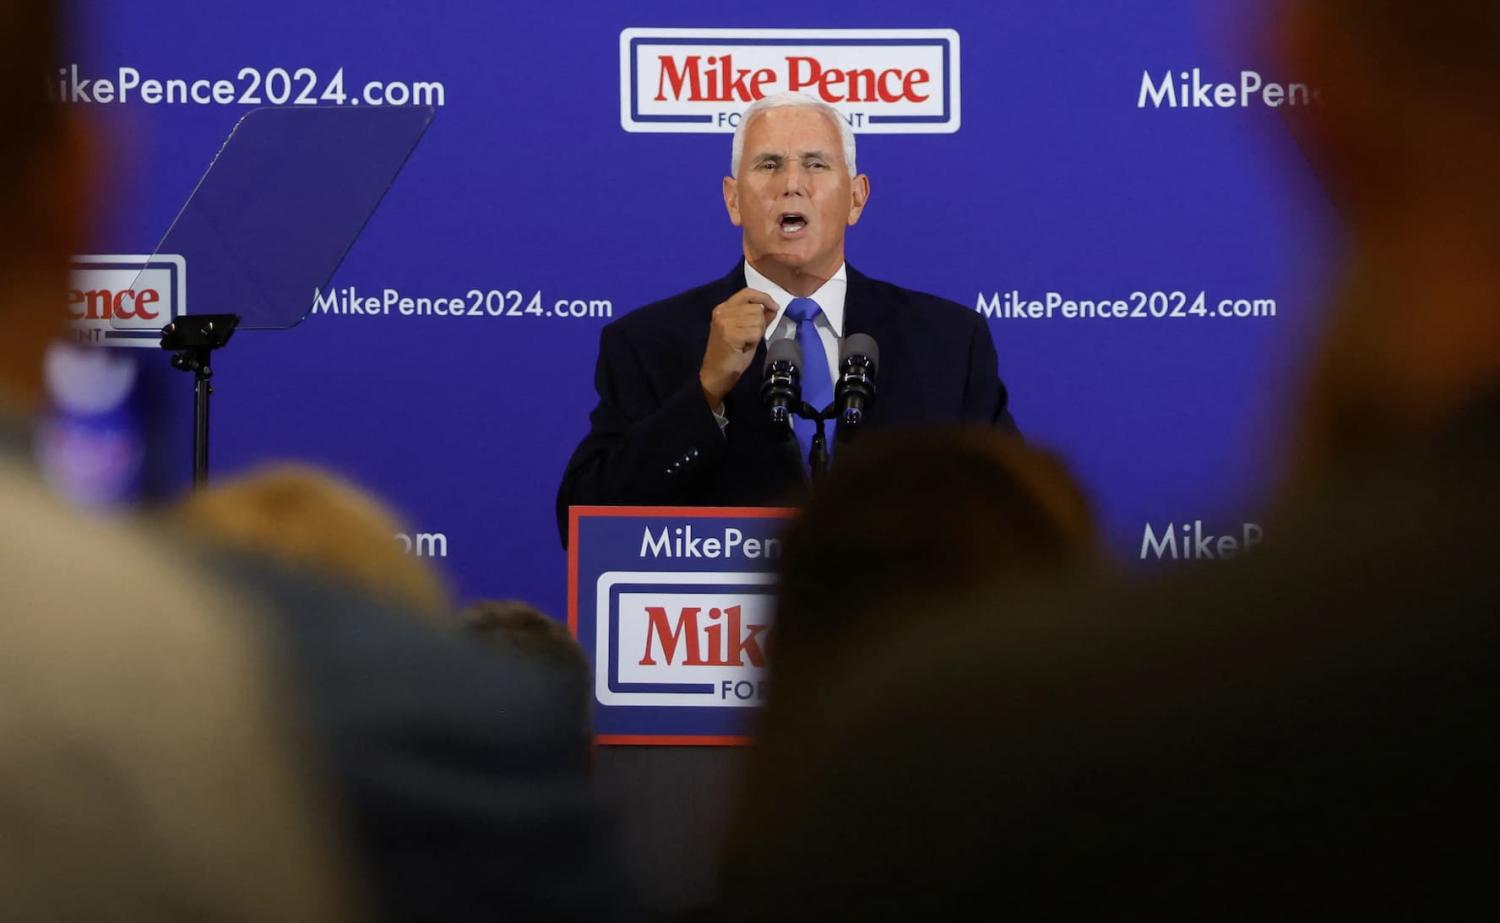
(792, 222)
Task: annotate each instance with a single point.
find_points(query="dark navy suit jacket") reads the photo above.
(654, 441)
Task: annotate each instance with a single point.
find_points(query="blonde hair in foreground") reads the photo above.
(312, 520)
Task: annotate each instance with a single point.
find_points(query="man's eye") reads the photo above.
(766, 166)
(816, 165)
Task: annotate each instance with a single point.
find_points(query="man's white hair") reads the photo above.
(791, 100)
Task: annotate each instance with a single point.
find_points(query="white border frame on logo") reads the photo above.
(602, 653)
(950, 35)
(179, 297)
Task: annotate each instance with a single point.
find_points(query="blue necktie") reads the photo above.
(817, 380)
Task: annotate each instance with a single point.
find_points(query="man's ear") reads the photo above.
(732, 199)
(859, 194)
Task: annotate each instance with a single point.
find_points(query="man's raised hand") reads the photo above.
(738, 327)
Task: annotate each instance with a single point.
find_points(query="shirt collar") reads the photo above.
(830, 297)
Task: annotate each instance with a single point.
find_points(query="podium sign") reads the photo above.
(673, 606)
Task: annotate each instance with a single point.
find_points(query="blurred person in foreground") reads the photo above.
(466, 780)
(908, 524)
(912, 515)
(311, 520)
(152, 764)
(1308, 732)
(907, 516)
(125, 794)
(511, 625)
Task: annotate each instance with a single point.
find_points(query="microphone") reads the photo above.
(781, 391)
(859, 358)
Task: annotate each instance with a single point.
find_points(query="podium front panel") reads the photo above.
(673, 606)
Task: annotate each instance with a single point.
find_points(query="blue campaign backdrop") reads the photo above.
(1058, 180)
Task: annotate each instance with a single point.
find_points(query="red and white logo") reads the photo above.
(897, 81)
(688, 639)
(125, 299)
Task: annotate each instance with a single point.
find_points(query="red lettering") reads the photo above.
(720, 81)
(714, 634)
(688, 75)
(858, 85)
(856, 94)
(734, 86)
(729, 643)
(827, 84)
(908, 86)
(795, 80)
(96, 298)
(762, 77)
(886, 95)
(746, 643)
(670, 636)
(103, 304)
(711, 92)
(146, 297)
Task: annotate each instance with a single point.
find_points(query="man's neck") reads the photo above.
(799, 281)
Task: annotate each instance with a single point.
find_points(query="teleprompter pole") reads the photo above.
(192, 340)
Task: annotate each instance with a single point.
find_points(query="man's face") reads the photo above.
(794, 195)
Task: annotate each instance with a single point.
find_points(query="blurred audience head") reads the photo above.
(513, 625)
(311, 520)
(150, 766)
(1264, 747)
(907, 518)
(1407, 143)
(44, 194)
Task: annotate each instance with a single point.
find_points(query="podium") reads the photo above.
(673, 605)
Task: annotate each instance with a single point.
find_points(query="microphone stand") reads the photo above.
(782, 393)
(818, 458)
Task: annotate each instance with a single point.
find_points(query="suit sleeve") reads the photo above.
(985, 397)
(640, 449)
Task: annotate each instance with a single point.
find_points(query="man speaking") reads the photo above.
(679, 420)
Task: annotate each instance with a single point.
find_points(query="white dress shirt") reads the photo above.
(829, 322)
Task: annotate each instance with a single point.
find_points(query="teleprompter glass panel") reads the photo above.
(281, 204)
